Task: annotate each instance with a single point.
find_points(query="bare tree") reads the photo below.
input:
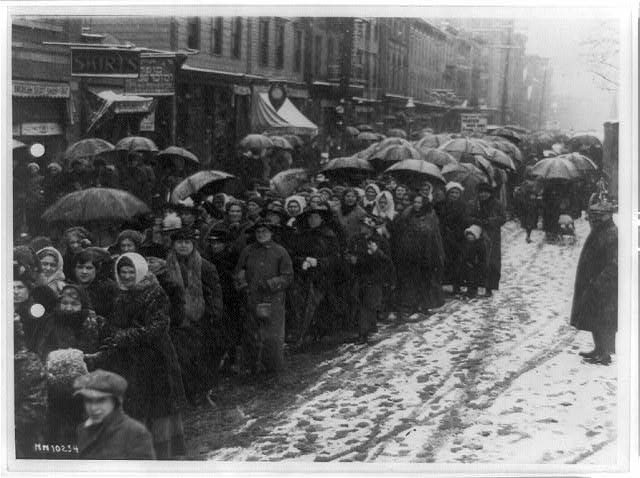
(601, 53)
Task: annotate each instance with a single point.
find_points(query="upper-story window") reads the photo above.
(217, 36)
(280, 45)
(297, 51)
(318, 54)
(193, 33)
(236, 37)
(263, 35)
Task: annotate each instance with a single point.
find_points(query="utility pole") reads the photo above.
(544, 85)
(505, 81)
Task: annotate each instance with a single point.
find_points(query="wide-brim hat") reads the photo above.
(185, 234)
(261, 223)
(323, 211)
(605, 207)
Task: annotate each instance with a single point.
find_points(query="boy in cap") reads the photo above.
(109, 433)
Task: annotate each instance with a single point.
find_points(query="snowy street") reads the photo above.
(490, 380)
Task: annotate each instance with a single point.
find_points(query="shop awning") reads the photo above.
(287, 120)
(108, 103)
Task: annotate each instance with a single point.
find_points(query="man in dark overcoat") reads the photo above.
(595, 298)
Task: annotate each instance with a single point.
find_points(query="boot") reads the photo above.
(589, 355)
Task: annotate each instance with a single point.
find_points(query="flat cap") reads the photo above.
(100, 383)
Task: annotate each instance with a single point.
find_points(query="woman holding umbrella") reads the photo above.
(418, 255)
(488, 213)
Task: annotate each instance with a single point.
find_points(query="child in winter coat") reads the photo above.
(473, 266)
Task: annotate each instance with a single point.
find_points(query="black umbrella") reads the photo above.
(201, 182)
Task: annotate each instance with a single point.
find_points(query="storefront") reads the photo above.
(40, 114)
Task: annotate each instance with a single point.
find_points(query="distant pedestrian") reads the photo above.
(595, 297)
(109, 433)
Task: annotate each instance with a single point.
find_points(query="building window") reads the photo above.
(330, 52)
(318, 55)
(216, 37)
(263, 34)
(367, 33)
(297, 51)
(193, 33)
(375, 31)
(280, 46)
(236, 37)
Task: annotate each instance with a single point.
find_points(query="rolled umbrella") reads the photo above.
(555, 168)
(256, 142)
(352, 130)
(580, 161)
(87, 148)
(95, 204)
(459, 146)
(132, 144)
(500, 158)
(209, 181)
(364, 128)
(416, 167)
(397, 133)
(178, 152)
(286, 182)
(438, 157)
(281, 143)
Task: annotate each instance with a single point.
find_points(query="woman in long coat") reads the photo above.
(488, 213)
(453, 214)
(418, 256)
(595, 296)
(198, 338)
(139, 348)
(349, 213)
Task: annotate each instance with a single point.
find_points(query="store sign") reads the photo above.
(473, 123)
(100, 62)
(148, 123)
(37, 89)
(40, 129)
(157, 77)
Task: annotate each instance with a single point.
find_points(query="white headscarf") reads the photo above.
(140, 264)
(389, 212)
(365, 201)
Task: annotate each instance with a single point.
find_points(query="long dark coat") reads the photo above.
(118, 437)
(453, 216)
(490, 216)
(595, 296)
(418, 255)
(139, 349)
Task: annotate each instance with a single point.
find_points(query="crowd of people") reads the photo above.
(224, 284)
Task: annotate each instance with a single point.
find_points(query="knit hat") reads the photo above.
(453, 185)
(475, 230)
(99, 384)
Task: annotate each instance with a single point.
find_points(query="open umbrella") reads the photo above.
(179, 152)
(132, 144)
(481, 163)
(555, 168)
(415, 167)
(584, 140)
(509, 148)
(431, 140)
(348, 163)
(352, 130)
(256, 142)
(392, 154)
(393, 141)
(15, 144)
(364, 128)
(95, 204)
(508, 134)
(294, 140)
(209, 181)
(580, 161)
(368, 152)
(438, 157)
(466, 174)
(86, 148)
(281, 143)
(286, 182)
(397, 133)
(367, 136)
(459, 146)
(500, 158)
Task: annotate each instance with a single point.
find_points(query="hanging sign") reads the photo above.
(473, 123)
(148, 123)
(156, 77)
(101, 62)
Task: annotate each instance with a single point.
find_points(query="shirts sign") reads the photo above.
(101, 62)
(473, 123)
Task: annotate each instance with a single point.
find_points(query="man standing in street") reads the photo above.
(595, 298)
(264, 271)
